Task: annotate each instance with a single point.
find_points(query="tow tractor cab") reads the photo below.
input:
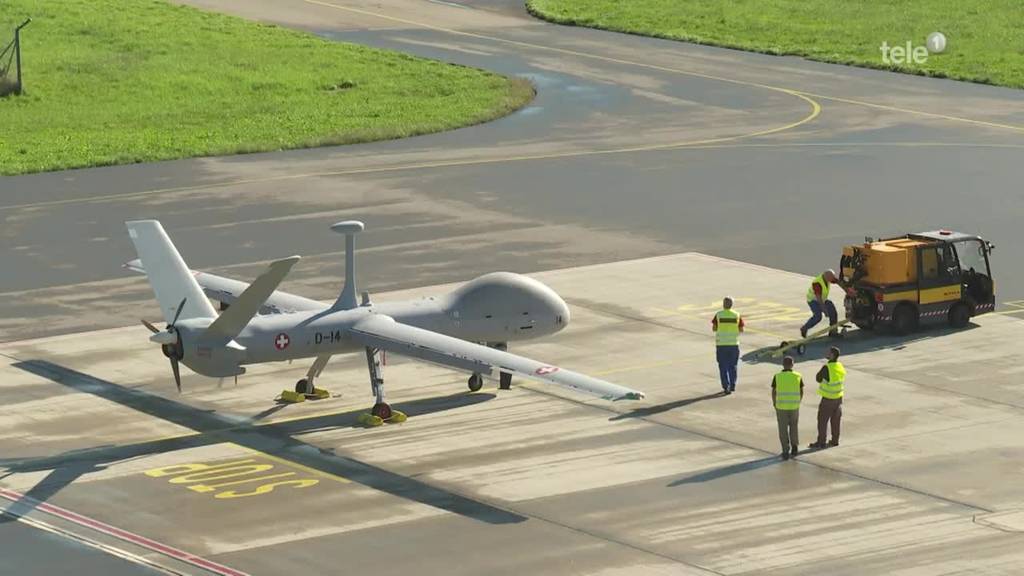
(903, 282)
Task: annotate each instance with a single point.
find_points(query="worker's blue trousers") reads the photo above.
(830, 309)
(728, 358)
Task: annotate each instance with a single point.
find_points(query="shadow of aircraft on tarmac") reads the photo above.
(856, 341)
(659, 408)
(275, 439)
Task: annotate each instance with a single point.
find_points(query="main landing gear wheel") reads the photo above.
(302, 386)
(476, 382)
(382, 411)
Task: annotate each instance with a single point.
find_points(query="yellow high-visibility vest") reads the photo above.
(728, 332)
(787, 390)
(834, 387)
(819, 280)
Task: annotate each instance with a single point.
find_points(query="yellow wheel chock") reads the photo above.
(292, 397)
(369, 420)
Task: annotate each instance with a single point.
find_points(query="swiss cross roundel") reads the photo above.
(281, 341)
(545, 370)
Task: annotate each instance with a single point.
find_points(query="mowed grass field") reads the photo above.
(985, 38)
(122, 81)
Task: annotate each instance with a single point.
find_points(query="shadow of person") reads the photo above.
(717, 473)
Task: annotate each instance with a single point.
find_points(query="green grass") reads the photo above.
(985, 38)
(122, 81)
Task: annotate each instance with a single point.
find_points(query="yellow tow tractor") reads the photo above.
(906, 281)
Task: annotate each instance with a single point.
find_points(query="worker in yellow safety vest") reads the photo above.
(787, 392)
(727, 326)
(818, 302)
(831, 384)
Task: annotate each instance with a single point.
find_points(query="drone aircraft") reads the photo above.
(467, 329)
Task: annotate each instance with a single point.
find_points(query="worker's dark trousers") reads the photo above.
(789, 421)
(830, 310)
(829, 410)
(728, 357)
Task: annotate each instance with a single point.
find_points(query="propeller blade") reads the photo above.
(164, 338)
(152, 328)
(178, 313)
(177, 374)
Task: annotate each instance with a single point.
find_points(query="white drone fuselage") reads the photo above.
(495, 308)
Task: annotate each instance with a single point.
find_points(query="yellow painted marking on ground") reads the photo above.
(1017, 305)
(204, 478)
(242, 478)
(815, 111)
(917, 112)
(496, 160)
(292, 464)
(751, 309)
(793, 92)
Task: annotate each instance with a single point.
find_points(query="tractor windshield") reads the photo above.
(971, 254)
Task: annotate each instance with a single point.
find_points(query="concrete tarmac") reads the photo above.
(29, 550)
(633, 147)
(537, 479)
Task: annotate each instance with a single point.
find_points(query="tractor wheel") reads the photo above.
(904, 319)
(959, 315)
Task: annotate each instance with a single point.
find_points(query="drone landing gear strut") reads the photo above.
(305, 388)
(504, 378)
(382, 411)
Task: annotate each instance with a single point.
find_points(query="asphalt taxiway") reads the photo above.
(633, 147)
(536, 479)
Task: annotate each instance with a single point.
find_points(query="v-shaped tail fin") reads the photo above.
(234, 319)
(167, 272)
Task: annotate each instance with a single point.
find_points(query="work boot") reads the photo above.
(835, 334)
(803, 332)
(833, 442)
(785, 455)
(794, 450)
(816, 445)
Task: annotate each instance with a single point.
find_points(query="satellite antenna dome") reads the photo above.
(348, 227)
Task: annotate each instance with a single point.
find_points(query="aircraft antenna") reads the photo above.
(347, 298)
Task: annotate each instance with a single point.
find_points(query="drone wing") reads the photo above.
(380, 331)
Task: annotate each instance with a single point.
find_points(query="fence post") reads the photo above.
(17, 52)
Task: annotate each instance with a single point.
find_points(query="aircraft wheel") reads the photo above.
(382, 410)
(301, 386)
(476, 382)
